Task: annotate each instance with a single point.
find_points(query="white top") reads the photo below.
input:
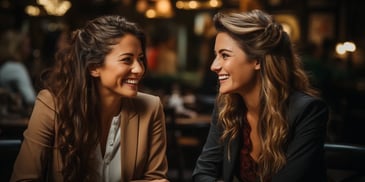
(110, 165)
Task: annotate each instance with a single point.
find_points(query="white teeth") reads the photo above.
(223, 77)
(131, 81)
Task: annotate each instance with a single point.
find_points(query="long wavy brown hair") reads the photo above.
(75, 92)
(263, 39)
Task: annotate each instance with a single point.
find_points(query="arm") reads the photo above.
(37, 145)
(23, 83)
(156, 166)
(305, 153)
(209, 164)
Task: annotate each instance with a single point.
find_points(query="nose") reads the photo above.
(215, 66)
(138, 67)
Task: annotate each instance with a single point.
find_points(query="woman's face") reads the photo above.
(122, 69)
(236, 73)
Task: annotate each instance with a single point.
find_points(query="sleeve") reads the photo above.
(157, 162)
(208, 166)
(305, 152)
(36, 147)
(24, 84)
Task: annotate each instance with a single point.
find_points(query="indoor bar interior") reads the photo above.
(328, 35)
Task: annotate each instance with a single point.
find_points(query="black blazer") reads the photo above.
(307, 117)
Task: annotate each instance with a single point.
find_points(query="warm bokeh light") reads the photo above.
(214, 3)
(350, 46)
(141, 6)
(155, 9)
(55, 7)
(343, 48)
(32, 10)
(163, 8)
(340, 49)
(192, 4)
(150, 13)
(180, 4)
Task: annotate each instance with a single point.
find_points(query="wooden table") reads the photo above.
(200, 121)
(195, 128)
(14, 121)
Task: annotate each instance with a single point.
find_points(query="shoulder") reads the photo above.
(13, 65)
(300, 100)
(42, 121)
(46, 97)
(143, 101)
(13, 68)
(147, 106)
(302, 105)
(146, 99)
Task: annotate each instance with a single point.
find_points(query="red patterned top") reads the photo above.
(248, 166)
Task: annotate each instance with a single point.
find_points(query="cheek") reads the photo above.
(112, 74)
(243, 73)
(106, 79)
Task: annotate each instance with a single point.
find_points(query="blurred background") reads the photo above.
(329, 34)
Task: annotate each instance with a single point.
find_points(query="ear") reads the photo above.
(257, 65)
(94, 71)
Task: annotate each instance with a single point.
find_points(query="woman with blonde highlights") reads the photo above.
(91, 122)
(269, 124)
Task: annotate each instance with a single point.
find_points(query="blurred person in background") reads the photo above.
(14, 76)
(268, 124)
(163, 42)
(91, 123)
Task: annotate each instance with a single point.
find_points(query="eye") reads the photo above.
(225, 56)
(127, 60)
(141, 58)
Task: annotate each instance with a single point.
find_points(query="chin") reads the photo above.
(129, 94)
(225, 91)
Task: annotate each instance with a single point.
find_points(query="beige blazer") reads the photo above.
(143, 141)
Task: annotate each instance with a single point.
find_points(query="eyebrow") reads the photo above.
(222, 50)
(130, 54)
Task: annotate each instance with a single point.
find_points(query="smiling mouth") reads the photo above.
(223, 77)
(131, 81)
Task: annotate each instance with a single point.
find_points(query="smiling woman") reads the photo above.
(268, 124)
(122, 69)
(90, 110)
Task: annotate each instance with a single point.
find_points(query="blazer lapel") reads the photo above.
(129, 128)
(230, 165)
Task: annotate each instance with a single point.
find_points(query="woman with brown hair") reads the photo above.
(91, 123)
(268, 123)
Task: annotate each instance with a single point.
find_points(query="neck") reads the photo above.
(252, 100)
(110, 107)
(253, 108)
(251, 95)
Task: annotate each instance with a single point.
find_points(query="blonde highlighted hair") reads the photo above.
(263, 39)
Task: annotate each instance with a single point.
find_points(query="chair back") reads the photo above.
(346, 158)
(9, 149)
